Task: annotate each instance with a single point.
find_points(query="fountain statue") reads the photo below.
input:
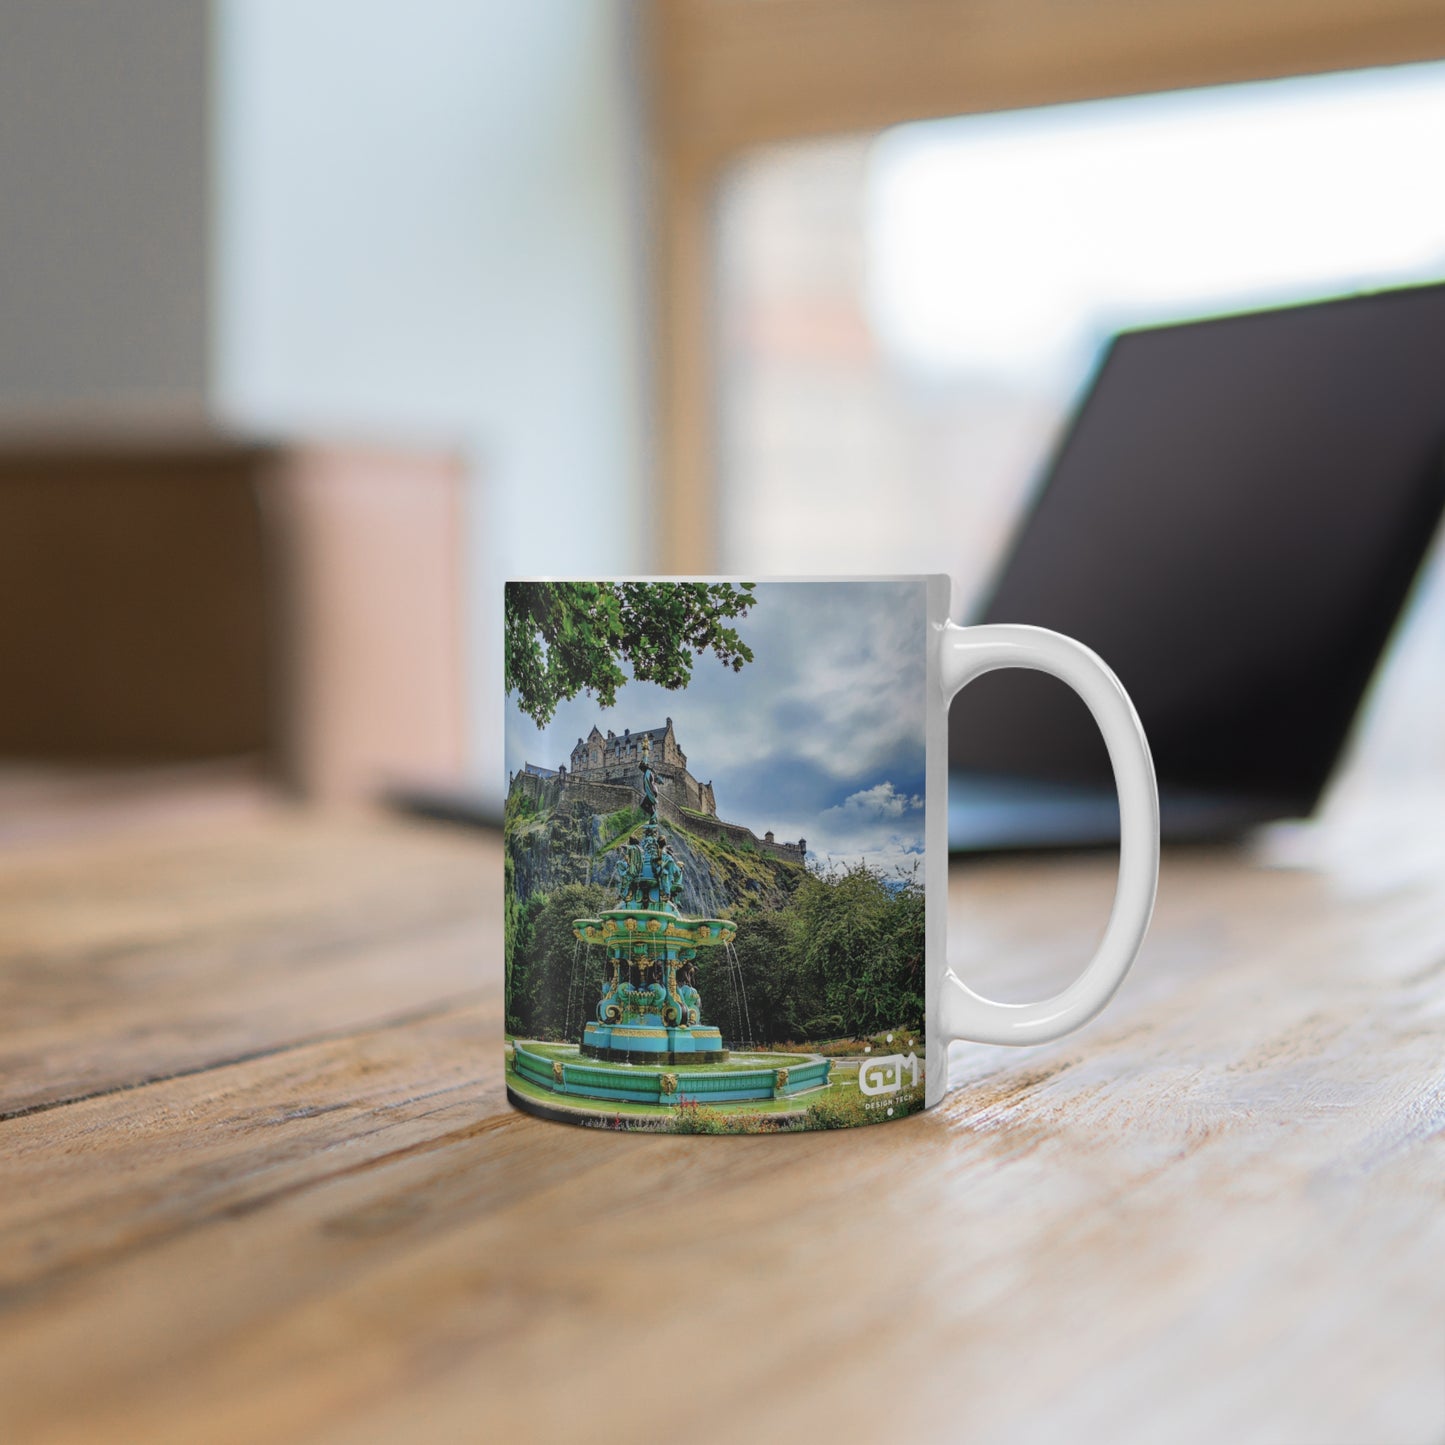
(650, 1011)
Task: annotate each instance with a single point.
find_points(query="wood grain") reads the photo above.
(732, 76)
(122, 962)
(1215, 1214)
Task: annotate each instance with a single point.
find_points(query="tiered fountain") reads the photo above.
(650, 1011)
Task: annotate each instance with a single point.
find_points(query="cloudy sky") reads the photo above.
(820, 737)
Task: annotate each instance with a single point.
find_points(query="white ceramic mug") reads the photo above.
(741, 954)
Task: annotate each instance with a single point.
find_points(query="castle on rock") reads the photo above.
(613, 759)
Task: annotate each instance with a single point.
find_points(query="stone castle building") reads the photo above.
(613, 759)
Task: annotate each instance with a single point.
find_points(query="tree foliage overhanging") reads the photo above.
(563, 638)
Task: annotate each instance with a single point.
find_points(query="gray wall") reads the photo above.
(104, 177)
(429, 223)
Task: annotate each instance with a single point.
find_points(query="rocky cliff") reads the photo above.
(575, 843)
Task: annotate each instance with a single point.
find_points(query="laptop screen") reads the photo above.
(1232, 522)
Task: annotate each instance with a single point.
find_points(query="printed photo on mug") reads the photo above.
(715, 889)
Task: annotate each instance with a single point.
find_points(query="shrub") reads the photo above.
(842, 1111)
(691, 1117)
(519, 807)
(838, 1111)
(617, 825)
(694, 1118)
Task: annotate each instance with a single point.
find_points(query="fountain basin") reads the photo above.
(590, 1080)
(650, 1041)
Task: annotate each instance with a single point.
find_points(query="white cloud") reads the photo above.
(879, 824)
(873, 805)
(887, 855)
(838, 679)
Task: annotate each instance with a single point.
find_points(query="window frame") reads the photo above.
(728, 76)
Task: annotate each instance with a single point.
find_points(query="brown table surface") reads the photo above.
(260, 1181)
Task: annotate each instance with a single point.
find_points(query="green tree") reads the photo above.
(541, 977)
(843, 958)
(857, 953)
(563, 638)
(518, 918)
(762, 953)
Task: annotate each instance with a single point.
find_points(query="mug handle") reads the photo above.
(969, 652)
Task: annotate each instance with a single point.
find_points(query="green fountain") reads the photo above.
(650, 1011)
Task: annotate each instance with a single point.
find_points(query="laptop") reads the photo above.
(1233, 521)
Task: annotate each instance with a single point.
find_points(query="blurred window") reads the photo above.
(905, 319)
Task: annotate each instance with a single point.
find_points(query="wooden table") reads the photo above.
(260, 1181)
